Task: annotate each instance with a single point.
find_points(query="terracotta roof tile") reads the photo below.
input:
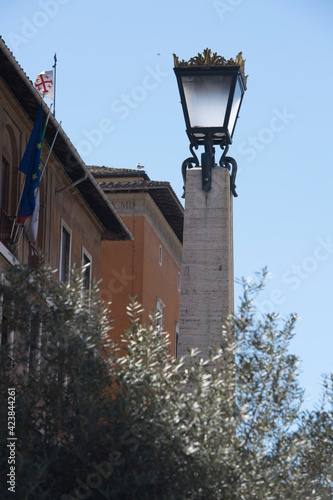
(103, 171)
(160, 191)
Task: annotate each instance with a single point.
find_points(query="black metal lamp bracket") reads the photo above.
(230, 164)
(190, 162)
(207, 164)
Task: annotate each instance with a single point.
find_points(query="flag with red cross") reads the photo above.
(45, 84)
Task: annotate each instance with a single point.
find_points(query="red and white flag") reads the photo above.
(45, 84)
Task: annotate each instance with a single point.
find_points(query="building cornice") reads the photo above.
(162, 194)
(29, 100)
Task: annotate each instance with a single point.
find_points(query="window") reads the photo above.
(9, 171)
(5, 185)
(4, 333)
(176, 339)
(65, 253)
(178, 282)
(159, 321)
(160, 255)
(5, 202)
(86, 270)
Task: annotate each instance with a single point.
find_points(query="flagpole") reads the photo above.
(41, 175)
(22, 189)
(54, 79)
(16, 213)
(22, 228)
(17, 228)
(48, 156)
(46, 122)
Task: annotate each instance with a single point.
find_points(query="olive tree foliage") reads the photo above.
(58, 366)
(230, 427)
(95, 423)
(275, 437)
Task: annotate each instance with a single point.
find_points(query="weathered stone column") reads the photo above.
(207, 288)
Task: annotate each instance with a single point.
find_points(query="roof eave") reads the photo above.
(29, 99)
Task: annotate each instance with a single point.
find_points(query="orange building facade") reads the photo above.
(149, 266)
(126, 228)
(72, 205)
(74, 213)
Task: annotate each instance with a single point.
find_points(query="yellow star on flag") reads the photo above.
(34, 177)
(39, 145)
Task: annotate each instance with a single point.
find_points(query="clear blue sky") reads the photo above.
(118, 101)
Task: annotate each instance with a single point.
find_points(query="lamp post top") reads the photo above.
(209, 59)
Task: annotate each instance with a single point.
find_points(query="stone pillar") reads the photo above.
(207, 287)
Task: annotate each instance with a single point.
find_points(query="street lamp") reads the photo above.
(211, 92)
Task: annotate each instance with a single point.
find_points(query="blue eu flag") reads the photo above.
(30, 166)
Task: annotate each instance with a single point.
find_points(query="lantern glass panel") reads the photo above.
(206, 99)
(235, 107)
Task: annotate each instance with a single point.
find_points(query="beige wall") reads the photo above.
(69, 206)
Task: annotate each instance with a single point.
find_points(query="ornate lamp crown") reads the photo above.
(207, 58)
